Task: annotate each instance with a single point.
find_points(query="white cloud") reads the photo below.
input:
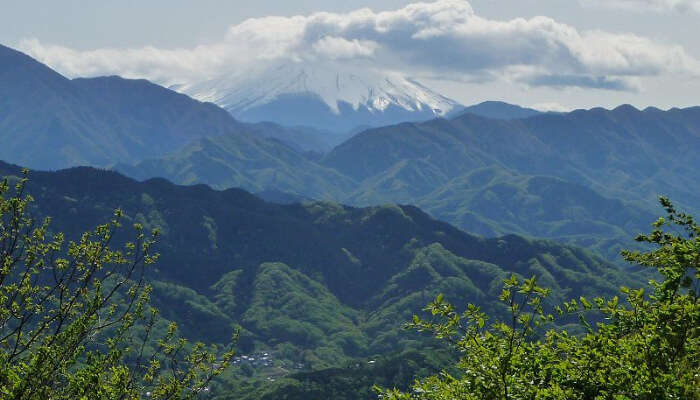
(647, 5)
(445, 38)
(159, 65)
(339, 48)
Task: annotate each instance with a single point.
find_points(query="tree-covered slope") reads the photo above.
(493, 201)
(549, 175)
(623, 152)
(245, 161)
(288, 308)
(314, 283)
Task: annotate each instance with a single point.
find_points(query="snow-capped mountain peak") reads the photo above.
(374, 97)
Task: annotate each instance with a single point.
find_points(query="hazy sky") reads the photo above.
(545, 53)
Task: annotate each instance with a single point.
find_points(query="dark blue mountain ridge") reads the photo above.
(50, 122)
(96, 121)
(497, 110)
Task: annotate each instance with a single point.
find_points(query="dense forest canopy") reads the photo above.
(306, 314)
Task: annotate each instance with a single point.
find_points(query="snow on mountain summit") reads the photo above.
(360, 96)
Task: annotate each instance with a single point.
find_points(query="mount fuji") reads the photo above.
(329, 96)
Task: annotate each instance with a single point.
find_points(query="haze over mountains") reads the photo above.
(93, 121)
(108, 120)
(560, 176)
(328, 278)
(501, 172)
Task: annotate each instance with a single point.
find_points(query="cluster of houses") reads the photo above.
(261, 359)
(264, 359)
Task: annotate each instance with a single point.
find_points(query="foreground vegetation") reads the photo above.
(645, 346)
(75, 321)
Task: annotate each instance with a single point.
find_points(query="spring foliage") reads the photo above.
(75, 320)
(637, 346)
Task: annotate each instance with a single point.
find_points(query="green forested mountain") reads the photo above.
(315, 284)
(550, 175)
(242, 160)
(492, 201)
(624, 150)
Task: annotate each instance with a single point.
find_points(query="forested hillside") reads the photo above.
(557, 176)
(315, 284)
(623, 152)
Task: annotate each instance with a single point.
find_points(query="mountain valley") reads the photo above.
(316, 284)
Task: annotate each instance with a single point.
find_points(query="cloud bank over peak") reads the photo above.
(444, 38)
(335, 48)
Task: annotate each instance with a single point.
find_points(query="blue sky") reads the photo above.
(544, 53)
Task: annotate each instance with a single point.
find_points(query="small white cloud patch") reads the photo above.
(336, 48)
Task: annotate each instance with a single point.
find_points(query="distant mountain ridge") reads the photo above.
(584, 146)
(491, 176)
(50, 122)
(301, 138)
(247, 162)
(624, 154)
(467, 169)
(93, 121)
(498, 110)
